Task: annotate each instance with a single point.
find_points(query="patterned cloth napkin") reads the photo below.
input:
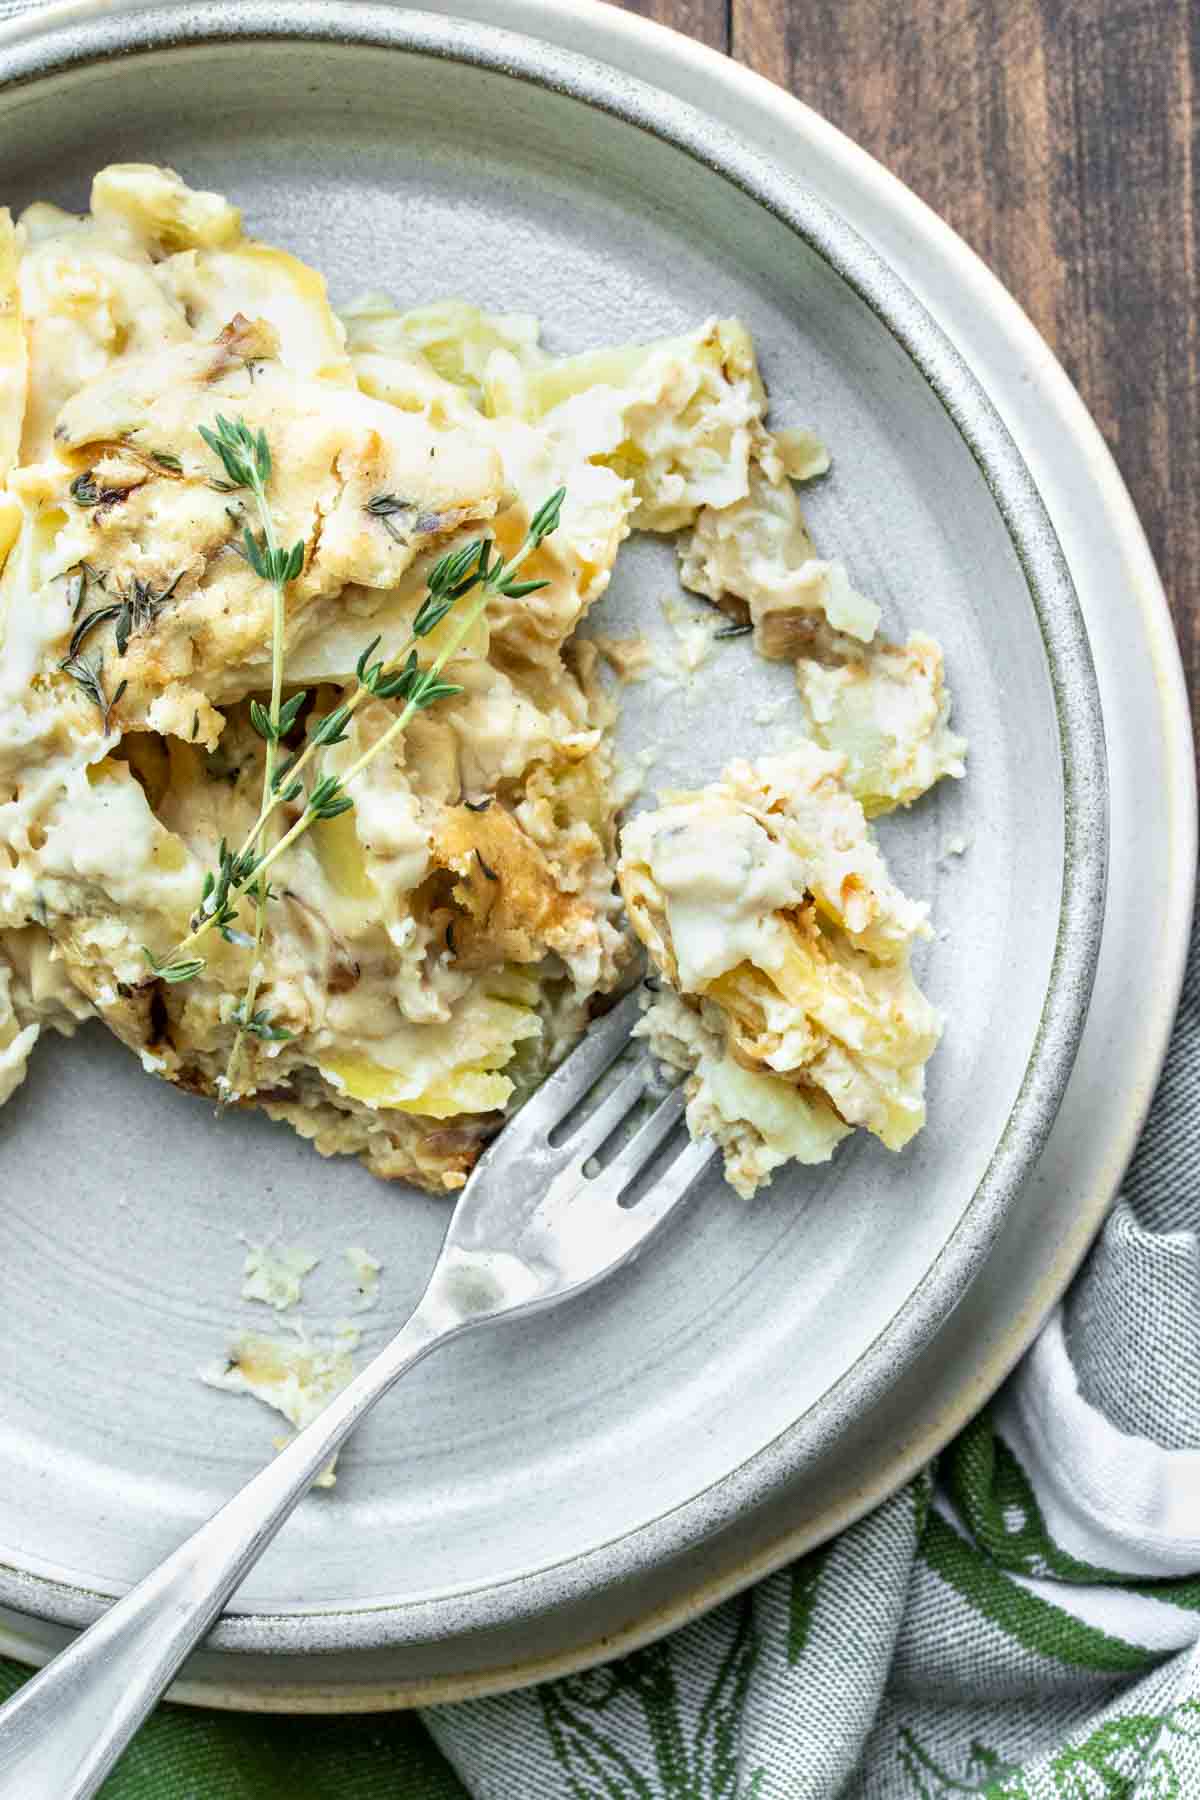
(1021, 1622)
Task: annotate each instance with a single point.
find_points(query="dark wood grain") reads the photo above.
(1057, 136)
(708, 20)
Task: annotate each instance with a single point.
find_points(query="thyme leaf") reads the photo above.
(89, 679)
(83, 490)
(87, 625)
(385, 508)
(245, 456)
(273, 732)
(172, 969)
(327, 800)
(270, 563)
(259, 1025)
(140, 608)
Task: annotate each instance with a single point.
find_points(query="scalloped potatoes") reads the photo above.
(792, 1005)
(431, 952)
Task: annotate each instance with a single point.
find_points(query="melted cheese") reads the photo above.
(213, 285)
(440, 1070)
(722, 879)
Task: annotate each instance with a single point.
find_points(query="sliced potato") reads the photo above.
(162, 210)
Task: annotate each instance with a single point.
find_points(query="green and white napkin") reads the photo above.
(1024, 1620)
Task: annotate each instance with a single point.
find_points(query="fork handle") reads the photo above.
(62, 1732)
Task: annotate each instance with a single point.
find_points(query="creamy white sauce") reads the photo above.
(722, 878)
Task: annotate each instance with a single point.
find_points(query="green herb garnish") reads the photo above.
(451, 578)
(245, 457)
(87, 625)
(385, 508)
(83, 490)
(139, 610)
(89, 679)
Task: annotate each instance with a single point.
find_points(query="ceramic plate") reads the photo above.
(531, 1497)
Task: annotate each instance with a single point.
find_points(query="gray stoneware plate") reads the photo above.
(530, 1498)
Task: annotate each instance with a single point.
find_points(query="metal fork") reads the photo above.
(535, 1223)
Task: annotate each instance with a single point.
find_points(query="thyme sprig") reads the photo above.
(449, 579)
(476, 565)
(245, 456)
(232, 872)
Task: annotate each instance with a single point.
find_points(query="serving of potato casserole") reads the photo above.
(307, 785)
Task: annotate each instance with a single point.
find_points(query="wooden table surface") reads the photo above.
(1057, 137)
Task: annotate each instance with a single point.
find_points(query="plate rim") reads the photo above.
(59, 37)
